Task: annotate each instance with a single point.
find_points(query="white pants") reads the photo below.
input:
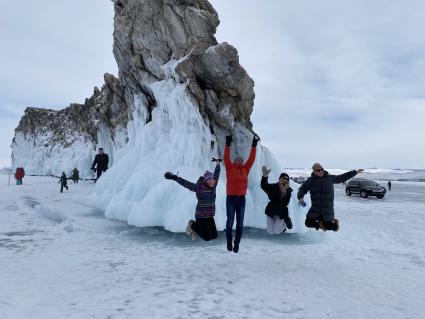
(275, 225)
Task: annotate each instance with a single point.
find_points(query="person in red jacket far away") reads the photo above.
(237, 184)
(19, 175)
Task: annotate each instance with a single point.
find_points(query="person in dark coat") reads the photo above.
(75, 175)
(389, 185)
(63, 182)
(321, 215)
(277, 209)
(102, 161)
(205, 189)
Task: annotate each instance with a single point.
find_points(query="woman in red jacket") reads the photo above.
(237, 184)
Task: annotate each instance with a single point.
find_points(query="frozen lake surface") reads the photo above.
(60, 258)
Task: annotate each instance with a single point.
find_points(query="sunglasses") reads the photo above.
(285, 178)
(319, 170)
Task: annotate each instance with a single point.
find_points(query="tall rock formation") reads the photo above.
(179, 93)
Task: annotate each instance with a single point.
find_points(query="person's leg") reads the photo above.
(240, 214)
(270, 225)
(200, 227)
(213, 228)
(61, 187)
(66, 187)
(279, 225)
(230, 211)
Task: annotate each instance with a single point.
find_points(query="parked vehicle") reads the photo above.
(299, 179)
(364, 188)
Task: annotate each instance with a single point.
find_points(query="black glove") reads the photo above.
(218, 160)
(169, 175)
(229, 140)
(255, 140)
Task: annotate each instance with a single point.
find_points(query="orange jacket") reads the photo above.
(237, 177)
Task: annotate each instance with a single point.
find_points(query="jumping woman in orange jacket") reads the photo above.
(237, 184)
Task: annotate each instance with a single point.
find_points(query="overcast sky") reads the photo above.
(340, 82)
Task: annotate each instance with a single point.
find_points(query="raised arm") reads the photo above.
(344, 177)
(186, 184)
(217, 173)
(251, 158)
(226, 158)
(265, 186)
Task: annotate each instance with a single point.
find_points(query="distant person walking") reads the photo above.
(389, 185)
(205, 189)
(75, 175)
(19, 175)
(100, 163)
(277, 209)
(237, 184)
(63, 182)
(321, 214)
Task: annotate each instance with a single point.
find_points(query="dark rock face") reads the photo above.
(153, 36)
(154, 41)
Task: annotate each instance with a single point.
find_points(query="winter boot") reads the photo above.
(236, 248)
(229, 246)
(288, 223)
(322, 225)
(335, 223)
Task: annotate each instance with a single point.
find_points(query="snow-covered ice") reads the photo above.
(61, 258)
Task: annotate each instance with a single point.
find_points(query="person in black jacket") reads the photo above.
(321, 186)
(63, 182)
(102, 161)
(277, 209)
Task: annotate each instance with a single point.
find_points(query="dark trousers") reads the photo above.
(62, 186)
(235, 205)
(99, 172)
(205, 228)
(314, 223)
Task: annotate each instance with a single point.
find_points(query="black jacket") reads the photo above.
(102, 161)
(322, 193)
(278, 203)
(63, 180)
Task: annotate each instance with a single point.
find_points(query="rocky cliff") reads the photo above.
(178, 94)
(48, 142)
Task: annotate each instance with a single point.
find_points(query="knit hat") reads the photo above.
(283, 175)
(208, 175)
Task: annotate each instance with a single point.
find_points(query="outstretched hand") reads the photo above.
(266, 171)
(360, 170)
(171, 176)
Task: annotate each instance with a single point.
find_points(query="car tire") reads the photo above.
(363, 194)
(380, 196)
(348, 192)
